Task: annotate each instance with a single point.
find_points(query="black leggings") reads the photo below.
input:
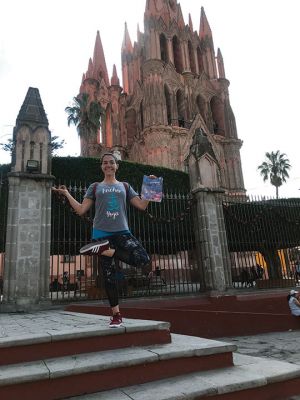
(127, 249)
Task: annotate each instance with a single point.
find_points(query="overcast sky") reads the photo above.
(47, 45)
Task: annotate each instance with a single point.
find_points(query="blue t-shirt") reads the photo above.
(110, 207)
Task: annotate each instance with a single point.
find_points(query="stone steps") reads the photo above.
(249, 378)
(78, 356)
(56, 378)
(52, 355)
(45, 335)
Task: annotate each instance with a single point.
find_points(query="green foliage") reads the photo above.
(259, 225)
(86, 170)
(275, 167)
(85, 115)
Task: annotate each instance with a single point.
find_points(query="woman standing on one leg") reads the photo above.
(110, 226)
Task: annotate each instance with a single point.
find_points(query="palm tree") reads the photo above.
(275, 168)
(86, 116)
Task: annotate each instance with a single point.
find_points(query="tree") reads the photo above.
(86, 116)
(275, 167)
(55, 145)
(266, 226)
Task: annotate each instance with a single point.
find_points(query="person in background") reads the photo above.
(294, 304)
(111, 234)
(297, 269)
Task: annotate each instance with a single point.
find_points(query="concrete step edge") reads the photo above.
(102, 329)
(254, 372)
(181, 347)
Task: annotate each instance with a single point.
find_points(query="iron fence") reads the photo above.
(264, 241)
(166, 232)
(3, 221)
(263, 238)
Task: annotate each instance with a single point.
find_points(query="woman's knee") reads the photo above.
(141, 257)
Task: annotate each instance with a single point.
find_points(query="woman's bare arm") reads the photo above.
(79, 208)
(296, 301)
(139, 203)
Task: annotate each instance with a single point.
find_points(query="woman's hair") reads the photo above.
(109, 154)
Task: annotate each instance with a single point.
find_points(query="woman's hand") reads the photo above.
(62, 190)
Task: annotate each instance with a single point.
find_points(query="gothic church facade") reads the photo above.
(173, 108)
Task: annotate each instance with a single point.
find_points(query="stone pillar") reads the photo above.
(210, 234)
(27, 252)
(210, 238)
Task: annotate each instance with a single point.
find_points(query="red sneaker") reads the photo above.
(95, 248)
(116, 321)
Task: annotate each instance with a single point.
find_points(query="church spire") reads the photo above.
(204, 29)
(115, 81)
(99, 63)
(90, 70)
(191, 23)
(220, 63)
(126, 45)
(180, 19)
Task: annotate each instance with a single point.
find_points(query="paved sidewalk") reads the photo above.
(283, 346)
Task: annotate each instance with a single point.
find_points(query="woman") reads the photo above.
(111, 235)
(294, 304)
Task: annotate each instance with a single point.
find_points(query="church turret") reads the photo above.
(191, 23)
(115, 81)
(180, 19)
(99, 64)
(221, 69)
(116, 139)
(206, 38)
(127, 51)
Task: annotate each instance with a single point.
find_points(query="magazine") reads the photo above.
(152, 188)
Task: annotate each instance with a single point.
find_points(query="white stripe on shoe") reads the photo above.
(94, 248)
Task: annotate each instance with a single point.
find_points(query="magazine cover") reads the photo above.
(152, 188)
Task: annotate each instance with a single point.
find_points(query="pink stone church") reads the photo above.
(173, 109)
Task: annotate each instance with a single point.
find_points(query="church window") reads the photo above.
(180, 108)
(217, 111)
(163, 48)
(192, 57)
(168, 105)
(200, 60)
(131, 126)
(172, 4)
(141, 115)
(177, 55)
(201, 106)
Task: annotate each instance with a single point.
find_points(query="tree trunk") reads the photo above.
(272, 259)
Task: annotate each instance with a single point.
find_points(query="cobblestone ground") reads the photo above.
(284, 346)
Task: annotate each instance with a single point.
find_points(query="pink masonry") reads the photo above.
(174, 84)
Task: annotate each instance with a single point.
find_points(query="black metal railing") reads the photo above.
(3, 223)
(165, 230)
(264, 241)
